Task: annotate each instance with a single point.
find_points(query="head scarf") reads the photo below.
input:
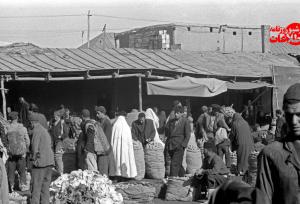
(152, 116)
(228, 112)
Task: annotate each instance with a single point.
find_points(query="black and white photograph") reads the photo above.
(149, 102)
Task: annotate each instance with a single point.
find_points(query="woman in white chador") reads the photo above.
(121, 142)
(152, 116)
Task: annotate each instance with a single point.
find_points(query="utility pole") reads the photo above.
(242, 37)
(88, 31)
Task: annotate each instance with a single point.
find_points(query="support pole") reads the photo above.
(88, 31)
(276, 88)
(3, 98)
(140, 94)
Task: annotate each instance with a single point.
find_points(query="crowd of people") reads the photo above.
(30, 143)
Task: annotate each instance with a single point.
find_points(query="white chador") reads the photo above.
(121, 142)
(152, 116)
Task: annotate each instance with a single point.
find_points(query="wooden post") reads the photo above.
(140, 94)
(274, 82)
(3, 97)
(88, 31)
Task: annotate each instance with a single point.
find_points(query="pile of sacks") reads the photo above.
(84, 187)
(136, 191)
(180, 189)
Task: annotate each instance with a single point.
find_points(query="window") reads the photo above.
(188, 28)
(234, 33)
(250, 33)
(211, 29)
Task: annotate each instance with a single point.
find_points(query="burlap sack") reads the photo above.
(179, 189)
(193, 160)
(139, 159)
(155, 161)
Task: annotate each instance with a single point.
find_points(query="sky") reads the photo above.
(40, 21)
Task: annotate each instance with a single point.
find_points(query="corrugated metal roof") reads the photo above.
(284, 48)
(202, 63)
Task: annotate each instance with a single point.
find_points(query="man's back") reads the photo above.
(41, 147)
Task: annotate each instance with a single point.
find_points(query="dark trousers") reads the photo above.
(223, 148)
(176, 157)
(16, 163)
(206, 181)
(41, 179)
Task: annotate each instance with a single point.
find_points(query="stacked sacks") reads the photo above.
(154, 160)
(252, 170)
(139, 159)
(193, 156)
(179, 189)
(136, 191)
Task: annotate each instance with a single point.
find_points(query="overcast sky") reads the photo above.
(66, 31)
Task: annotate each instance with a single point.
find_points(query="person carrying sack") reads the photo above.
(18, 144)
(96, 144)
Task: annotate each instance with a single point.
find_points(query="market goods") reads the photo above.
(84, 187)
(179, 189)
(139, 159)
(193, 160)
(193, 156)
(16, 198)
(136, 191)
(154, 160)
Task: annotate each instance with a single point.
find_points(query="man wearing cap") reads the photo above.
(241, 139)
(18, 144)
(279, 163)
(178, 133)
(106, 164)
(59, 131)
(143, 129)
(81, 154)
(42, 160)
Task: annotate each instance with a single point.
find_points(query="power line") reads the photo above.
(130, 18)
(44, 16)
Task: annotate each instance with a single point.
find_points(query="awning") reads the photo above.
(187, 86)
(247, 85)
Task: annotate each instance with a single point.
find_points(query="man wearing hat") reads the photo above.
(279, 163)
(178, 133)
(18, 144)
(42, 161)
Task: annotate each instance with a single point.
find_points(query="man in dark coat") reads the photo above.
(143, 129)
(278, 163)
(178, 133)
(43, 161)
(241, 139)
(213, 171)
(106, 164)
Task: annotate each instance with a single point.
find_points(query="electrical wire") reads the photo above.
(43, 16)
